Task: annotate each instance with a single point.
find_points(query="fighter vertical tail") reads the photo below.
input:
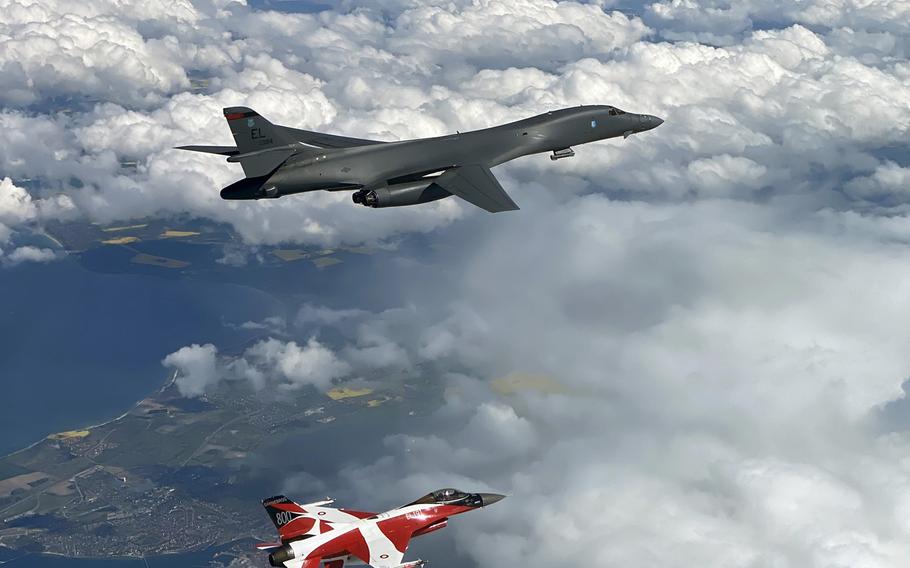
(291, 520)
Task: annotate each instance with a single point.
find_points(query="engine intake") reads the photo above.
(280, 556)
(399, 195)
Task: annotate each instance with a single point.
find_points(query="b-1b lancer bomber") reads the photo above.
(279, 160)
(313, 534)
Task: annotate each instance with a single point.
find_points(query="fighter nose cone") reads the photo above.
(490, 498)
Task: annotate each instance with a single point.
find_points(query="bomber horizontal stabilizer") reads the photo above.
(476, 184)
(223, 150)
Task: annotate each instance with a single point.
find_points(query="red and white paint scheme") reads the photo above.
(315, 534)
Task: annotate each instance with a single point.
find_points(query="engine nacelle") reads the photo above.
(280, 556)
(401, 194)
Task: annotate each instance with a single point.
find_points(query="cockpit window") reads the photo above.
(615, 111)
(450, 496)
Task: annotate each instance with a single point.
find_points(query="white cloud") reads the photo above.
(720, 369)
(16, 206)
(889, 180)
(25, 11)
(25, 254)
(310, 313)
(197, 367)
(378, 353)
(47, 50)
(723, 21)
(772, 112)
(495, 32)
(274, 324)
(310, 364)
(269, 362)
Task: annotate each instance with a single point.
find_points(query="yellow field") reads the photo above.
(70, 434)
(121, 240)
(125, 228)
(169, 234)
(345, 392)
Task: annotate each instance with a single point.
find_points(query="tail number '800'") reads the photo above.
(284, 517)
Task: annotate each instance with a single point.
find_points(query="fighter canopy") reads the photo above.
(451, 496)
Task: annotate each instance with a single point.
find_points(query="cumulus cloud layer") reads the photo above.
(779, 110)
(18, 209)
(270, 362)
(718, 383)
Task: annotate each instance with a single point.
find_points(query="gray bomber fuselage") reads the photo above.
(279, 160)
(377, 164)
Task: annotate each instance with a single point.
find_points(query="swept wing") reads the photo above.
(476, 184)
(379, 544)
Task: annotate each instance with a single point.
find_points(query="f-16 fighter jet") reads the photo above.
(315, 534)
(278, 160)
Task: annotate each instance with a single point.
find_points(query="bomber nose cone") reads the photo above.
(490, 498)
(648, 121)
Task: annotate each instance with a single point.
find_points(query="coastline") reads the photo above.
(160, 389)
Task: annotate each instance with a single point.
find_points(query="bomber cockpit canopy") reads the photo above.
(615, 111)
(448, 496)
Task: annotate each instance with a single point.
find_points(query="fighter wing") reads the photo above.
(386, 545)
(475, 184)
(321, 140)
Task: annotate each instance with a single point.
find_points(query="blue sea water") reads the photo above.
(79, 347)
